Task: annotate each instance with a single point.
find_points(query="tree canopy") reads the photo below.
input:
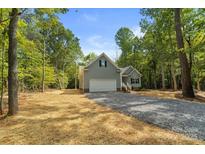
(39, 29)
(156, 54)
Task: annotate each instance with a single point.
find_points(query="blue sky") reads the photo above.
(96, 28)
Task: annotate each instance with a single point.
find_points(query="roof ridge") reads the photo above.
(106, 56)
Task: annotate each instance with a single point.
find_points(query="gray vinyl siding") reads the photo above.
(134, 75)
(94, 71)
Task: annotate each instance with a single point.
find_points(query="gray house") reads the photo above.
(102, 75)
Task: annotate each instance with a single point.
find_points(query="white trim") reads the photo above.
(135, 71)
(102, 85)
(103, 54)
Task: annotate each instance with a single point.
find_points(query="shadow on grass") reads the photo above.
(56, 121)
(84, 128)
(71, 92)
(197, 98)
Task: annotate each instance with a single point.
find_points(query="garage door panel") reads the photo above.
(100, 85)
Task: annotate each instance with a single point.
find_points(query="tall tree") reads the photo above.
(2, 55)
(187, 89)
(47, 23)
(12, 62)
(124, 39)
(88, 58)
(61, 52)
(2, 71)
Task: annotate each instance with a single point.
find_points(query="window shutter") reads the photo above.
(105, 63)
(100, 63)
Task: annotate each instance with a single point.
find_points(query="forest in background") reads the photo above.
(157, 54)
(38, 52)
(46, 49)
(41, 52)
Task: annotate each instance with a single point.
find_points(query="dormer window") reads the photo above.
(102, 63)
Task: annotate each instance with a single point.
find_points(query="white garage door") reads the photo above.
(97, 85)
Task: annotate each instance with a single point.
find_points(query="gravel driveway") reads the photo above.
(177, 115)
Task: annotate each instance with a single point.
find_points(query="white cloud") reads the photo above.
(99, 44)
(89, 17)
(95, 41)
(137, 31)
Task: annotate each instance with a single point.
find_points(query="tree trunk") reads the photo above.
(59, 82)
(12, 62)
(155, 76)
(63, 77)
(2, 72)
(2, 69)
(173, 77)
(75, 75)
(163, 78)
(2, 46)
(188, 40)
(43, 68)
(150, 79)
(57, 72)
(172, 64)
(155, 81)
(187, 89)
(198, 85)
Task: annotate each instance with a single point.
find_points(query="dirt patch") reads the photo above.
(68, 117)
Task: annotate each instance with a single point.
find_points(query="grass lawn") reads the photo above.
(68, 117)
(170, 94)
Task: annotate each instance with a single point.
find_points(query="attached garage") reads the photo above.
(102, 85)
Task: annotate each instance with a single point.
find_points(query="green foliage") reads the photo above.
(155, 54)
(125, 39)
(72, 74)
(88, 58)
(35, 27)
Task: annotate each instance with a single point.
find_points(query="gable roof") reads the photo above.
(128, 70)
(124, 69)
(101, 55)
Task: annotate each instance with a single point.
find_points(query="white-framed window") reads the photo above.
(102, 63)
(134, 81)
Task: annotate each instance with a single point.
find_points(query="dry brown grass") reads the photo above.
(170, 94)
(67, 117)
